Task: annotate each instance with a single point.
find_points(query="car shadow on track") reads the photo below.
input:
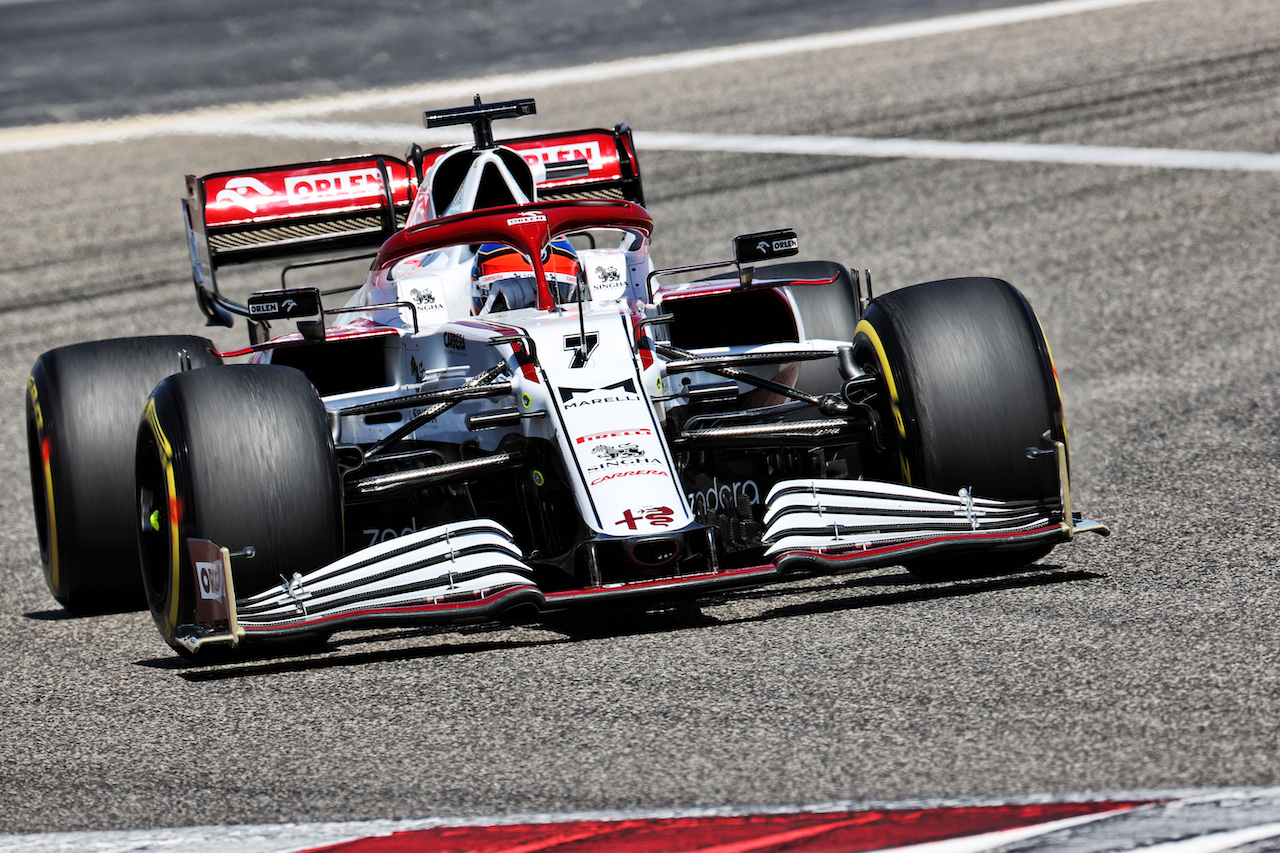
(558, 629)
(1020, 579)
(336, 653)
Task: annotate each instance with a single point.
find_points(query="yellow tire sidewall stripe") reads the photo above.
(868, 331)
(166, 461)
(54, 574)
(1057, 385)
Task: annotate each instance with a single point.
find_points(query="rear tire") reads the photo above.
(242, 456)
(970, 385)
(827, 312)
(82, 407)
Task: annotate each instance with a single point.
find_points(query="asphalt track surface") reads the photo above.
(1146, 661)
(68, 60)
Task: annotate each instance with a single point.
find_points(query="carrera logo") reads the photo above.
(454, 341)
(527, 219)
(616, 434)
(589, 151)
(357, 183)
(648, 472)
(210, 580)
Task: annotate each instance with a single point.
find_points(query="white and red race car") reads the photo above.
(516, 413)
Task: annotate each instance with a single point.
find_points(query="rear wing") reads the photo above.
(281, 211)
(613, 172)
(356, 203)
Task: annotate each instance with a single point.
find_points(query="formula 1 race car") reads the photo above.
(516, 413)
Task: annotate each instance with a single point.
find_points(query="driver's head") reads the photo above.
(502, 279)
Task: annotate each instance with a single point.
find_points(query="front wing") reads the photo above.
(474, 570)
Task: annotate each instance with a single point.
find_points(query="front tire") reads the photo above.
(969, 385)
(242, 456)
(82, 409)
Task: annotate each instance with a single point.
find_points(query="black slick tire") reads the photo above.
(82, 408)
(240, 455)
(968, 386)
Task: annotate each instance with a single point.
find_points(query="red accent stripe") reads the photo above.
(904, 546)
(644, 344)
(690, 291)
(804, 832)
(334, 333)
(662, 583)
(522, 358)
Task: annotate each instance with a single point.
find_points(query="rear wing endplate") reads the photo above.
(280, 211)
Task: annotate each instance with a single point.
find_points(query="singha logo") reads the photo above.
(424, 299)
(622, 451)
(607, 275)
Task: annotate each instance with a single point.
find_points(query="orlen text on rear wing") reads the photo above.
(278, 211)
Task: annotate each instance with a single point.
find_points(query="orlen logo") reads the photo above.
(527, 219)
(777, 245)
(244, 192)
(356, 183)
(589, 151)
(210, 580)
(264, 308)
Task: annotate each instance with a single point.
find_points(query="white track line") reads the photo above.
(201, 121)
(932, 149)
(832, 146)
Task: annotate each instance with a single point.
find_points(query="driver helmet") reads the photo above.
(502, 279)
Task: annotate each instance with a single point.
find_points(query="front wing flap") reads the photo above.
(455, 571)
(853, 524)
